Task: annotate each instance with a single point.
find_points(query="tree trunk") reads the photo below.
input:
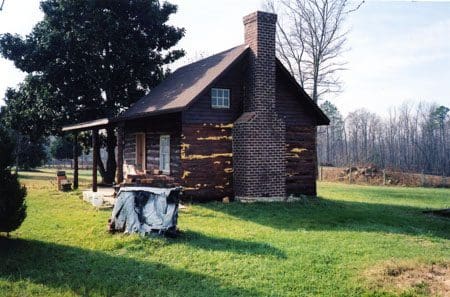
(111, 161)
(328, 146)
(108, 173)
(100, 166)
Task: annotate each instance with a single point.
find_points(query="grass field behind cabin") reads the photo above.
(345, 243)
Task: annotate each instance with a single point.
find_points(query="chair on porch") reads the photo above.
(131, 174)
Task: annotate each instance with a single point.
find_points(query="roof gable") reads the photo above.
(183, 86)
(321, 118)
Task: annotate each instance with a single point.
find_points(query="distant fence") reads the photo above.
(375, 176)
(68, 164)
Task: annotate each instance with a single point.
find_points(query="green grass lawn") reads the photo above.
(321, 247)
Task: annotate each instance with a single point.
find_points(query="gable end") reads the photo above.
(289, 89)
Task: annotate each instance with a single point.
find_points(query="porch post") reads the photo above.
(75, 160)
(94, 159)
(120, 138)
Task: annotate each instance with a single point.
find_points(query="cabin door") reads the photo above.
(140, 152)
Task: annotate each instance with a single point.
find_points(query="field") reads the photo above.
(351, 241)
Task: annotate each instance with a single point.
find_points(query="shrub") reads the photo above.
(12, 194)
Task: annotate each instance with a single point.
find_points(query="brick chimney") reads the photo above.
(259, 134)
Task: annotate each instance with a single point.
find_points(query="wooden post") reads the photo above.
(75, 161)
(120, 136)
(94, 159)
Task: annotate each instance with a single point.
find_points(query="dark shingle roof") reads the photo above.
(183, 86)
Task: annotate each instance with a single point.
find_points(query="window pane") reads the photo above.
(220, 98)
(167, 167)
(164, 153)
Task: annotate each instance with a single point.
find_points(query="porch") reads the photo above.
(95, 126)
(104, 197)
(147, 151)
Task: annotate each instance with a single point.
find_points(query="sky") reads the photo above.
(397, 50)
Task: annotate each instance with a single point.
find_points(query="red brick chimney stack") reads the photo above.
(260, 29)
(259, 134)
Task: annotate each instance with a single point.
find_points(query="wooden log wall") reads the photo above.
(129, 148)
(206, 161)
(152, 145)
(154, 127)
(301, 160)
(291, 105)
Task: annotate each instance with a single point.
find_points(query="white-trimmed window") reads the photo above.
(164, 154)
(220, 98)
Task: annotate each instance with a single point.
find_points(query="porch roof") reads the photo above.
(98, 124)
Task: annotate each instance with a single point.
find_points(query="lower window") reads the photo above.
(164, 154)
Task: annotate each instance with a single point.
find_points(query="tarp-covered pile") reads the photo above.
(145, 210)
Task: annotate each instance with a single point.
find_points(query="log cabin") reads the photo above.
(236, 124)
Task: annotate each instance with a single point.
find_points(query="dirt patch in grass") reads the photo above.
(409, 278)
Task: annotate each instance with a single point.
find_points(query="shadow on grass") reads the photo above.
(322, 214)
(86, 272)
(205, 242)
(36, 177)
(32, 170)
(50, 179)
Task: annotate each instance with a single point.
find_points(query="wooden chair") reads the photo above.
(63, 183)
(131, 175)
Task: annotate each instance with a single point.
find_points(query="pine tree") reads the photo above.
(12, 194)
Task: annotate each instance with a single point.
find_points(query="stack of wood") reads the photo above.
(366, 174)
(159, 181)
(151, 180)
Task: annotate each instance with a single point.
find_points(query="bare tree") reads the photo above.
(411, 137)
(311, 39)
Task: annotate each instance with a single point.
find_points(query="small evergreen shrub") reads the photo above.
(12, 194)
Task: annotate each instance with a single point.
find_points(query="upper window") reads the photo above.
(220, 98)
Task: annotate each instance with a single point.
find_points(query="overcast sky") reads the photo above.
(398, 50)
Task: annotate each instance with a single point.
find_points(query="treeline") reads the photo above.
(412, 138)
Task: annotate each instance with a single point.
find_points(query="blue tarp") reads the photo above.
(145, 210)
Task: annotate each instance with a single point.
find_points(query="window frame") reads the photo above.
(216, 97)
(162, 153)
